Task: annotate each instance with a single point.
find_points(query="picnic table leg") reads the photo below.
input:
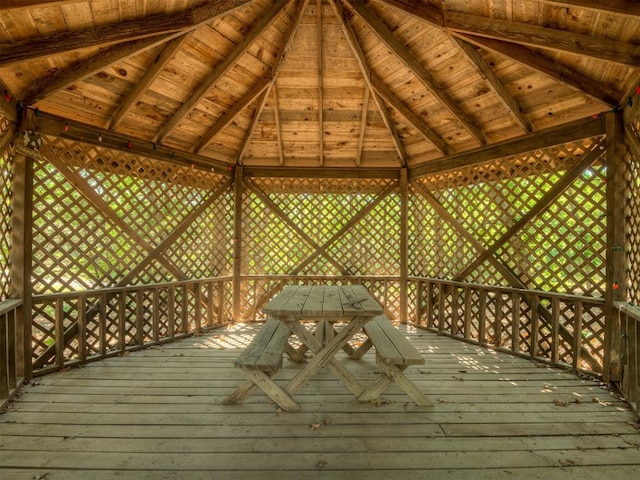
(324, 356)
(393, 374)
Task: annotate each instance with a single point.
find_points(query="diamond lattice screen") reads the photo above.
(633, 218)
(455, 215)
(99, 214)
(6, 193)
(301, 226)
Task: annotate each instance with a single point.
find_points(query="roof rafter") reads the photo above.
(542, 64)
(347, 29)
(101, 60)
(544, 37)
(627, 9)
(220, 70)
(418, 9)
(275, 70)
(153, 72)
(127, 30)
(495, 83)
(363, 124)
(408, 59)
(225, 119)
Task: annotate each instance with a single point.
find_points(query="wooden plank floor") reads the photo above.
(156, 414)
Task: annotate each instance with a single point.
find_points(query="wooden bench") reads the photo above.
(394, 353)
(260, 360)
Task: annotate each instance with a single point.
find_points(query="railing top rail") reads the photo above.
(522, 291)
(10, 304)
(632, 311)
(129, 288)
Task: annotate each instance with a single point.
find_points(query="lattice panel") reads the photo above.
(563, 249)
(134, 204)
(6, 194)
(435, 248)
(632, 215)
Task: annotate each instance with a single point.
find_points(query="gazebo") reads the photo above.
(168, 166)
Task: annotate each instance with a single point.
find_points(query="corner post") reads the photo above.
(404, 226)
(615, 255)
(237, 239)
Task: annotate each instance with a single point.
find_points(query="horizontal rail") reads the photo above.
(628, 317)
(77, 327)
(558, 329)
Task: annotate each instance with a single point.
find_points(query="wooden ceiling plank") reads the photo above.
(418, 9)
(577, 130)
(542, 64)
(101, 60)
(496, 84)
(347, 29)
(128, 30)
(168, 52)
(544, 37)
(276, 114)
(385, 92)
(629, 9)
(220, 70)
(225, 119)
(378, 27)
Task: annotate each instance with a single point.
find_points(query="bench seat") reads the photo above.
(260, 360)
(394, 353)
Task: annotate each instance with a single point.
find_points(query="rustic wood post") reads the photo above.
(615, 256)
(237, 240)
(21, 251)
(404, 225)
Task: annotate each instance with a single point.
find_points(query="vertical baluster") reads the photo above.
(102, 325)
(82, 327)
(577, 335)
(467, 312)
(497, 327)
(535, 325)
(454, 310)
(429, 306)
(171, 311)
(418, 318)
(210, 303)
(122, 320)
(59, 322)
(515, 322)
(4, 356)
(198, 301)
(184, 314)
(220, 319)
(482, 320)
(139, 318)
(10, 320)
(441, 301)
(555, 330)
(156, 314)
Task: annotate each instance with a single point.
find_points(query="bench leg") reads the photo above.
(263, 381)
(361, 350)
(393, 374)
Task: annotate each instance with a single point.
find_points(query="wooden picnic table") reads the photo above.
(350, 305)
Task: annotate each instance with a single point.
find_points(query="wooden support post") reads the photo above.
(404, 225)
(615, 257)
(21, 253)
(237, 240)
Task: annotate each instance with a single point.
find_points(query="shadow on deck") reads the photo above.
(157, 414)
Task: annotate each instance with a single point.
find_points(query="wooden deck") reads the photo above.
(156, 414)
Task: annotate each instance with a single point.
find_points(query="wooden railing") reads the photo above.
(561, 330)
(106, 322)
(628, 317)
(11, 355)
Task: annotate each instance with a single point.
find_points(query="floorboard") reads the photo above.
(157, 414)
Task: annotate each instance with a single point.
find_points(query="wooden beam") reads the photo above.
(415, 120)
(327, 172)
(122, 31)
(320, 81)
(80, 132)
(594, 89)
(585, 128)
(263, 23)
(238, 191)
(495, 83)
(225, 119)
(418, 9)
(27, 4)
(276, 115)
(543, 37)
(404, 241)
(363, 124)
(77, 72)
(629, 9)
(403, 54)
(300, 7)
(557, 189)
(153, 72)
(347, 29)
